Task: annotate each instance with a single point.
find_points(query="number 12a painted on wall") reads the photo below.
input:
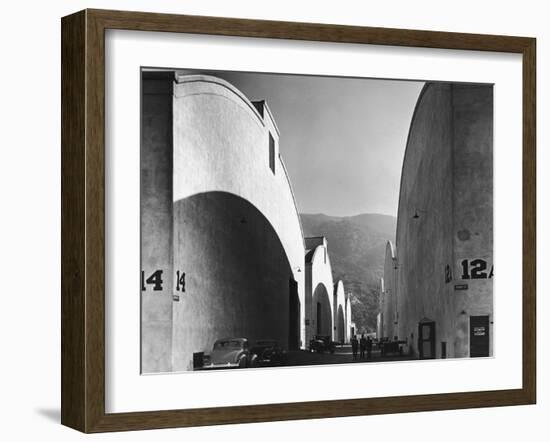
(475, 269)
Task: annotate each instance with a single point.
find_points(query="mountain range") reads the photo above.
(356, 246)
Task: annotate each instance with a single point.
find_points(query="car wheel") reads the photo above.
(243, 362)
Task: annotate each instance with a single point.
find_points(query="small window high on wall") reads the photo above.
(271, 153)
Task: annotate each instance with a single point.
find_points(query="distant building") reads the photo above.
(389, 295)
(327, 307)
(380, 314)
(350, 325)
(352, 329)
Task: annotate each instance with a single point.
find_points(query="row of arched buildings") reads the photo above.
(222, 248)
(436, 295)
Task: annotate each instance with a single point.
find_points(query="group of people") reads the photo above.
(363, 345)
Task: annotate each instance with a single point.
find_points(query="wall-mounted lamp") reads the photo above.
(416, 214)
(463, 312)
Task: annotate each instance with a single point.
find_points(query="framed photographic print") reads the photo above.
(270, 220)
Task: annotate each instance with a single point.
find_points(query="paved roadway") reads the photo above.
(342, 355)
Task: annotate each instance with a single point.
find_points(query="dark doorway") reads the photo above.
(238, 235)
(319, 318)
(341, 326)
(322, 311)
(479, 336)
(426, 339)
(294, 316)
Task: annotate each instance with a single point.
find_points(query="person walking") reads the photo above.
(354, 346)
(369, 347)
(362, 346)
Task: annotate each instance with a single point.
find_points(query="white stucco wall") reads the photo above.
(237, 160)
(339, 301)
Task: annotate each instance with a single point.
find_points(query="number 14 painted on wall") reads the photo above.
(155, 280)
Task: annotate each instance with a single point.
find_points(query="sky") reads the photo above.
(342, 139)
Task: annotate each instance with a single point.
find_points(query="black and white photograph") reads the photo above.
(303, 220)
(269, 221)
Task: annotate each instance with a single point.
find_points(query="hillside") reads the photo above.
(356, 245)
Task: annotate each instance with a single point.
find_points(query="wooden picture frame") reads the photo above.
(83, 220)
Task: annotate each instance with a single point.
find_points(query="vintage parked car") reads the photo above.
(228, 353)
(320, 344)
(267, 353)
(380, 343)
(392, 347)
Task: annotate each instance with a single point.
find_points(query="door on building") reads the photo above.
(426, 339)
(479, 336)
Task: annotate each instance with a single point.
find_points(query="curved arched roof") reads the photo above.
(195, 85)
(413, 119)
(201, 78)
(312, 244)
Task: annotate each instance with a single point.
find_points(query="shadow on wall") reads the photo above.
(322, 311)
(238, 280)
